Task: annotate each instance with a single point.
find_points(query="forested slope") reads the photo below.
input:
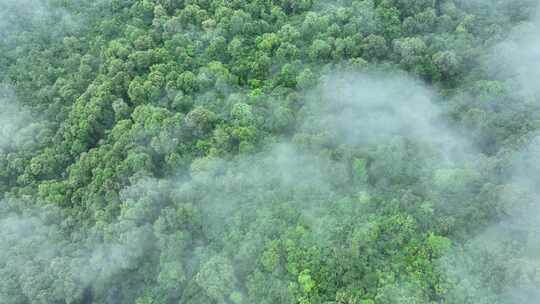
(269, 151)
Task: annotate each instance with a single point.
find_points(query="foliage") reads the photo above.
(258, 151)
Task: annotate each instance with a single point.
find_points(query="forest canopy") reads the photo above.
(269, 151)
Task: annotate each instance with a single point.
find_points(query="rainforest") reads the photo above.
(269, 151)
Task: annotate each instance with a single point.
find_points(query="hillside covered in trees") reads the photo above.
(269, 151)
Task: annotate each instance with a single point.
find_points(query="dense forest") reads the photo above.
(269, 151)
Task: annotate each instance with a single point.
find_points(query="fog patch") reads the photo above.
(516, 60)
(44, 262)
(19, 18)
(12, 118)
(366, 109)
(510, 247)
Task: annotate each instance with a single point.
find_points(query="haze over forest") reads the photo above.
(269, 151)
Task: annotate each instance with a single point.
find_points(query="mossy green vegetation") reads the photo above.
(269, 151)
